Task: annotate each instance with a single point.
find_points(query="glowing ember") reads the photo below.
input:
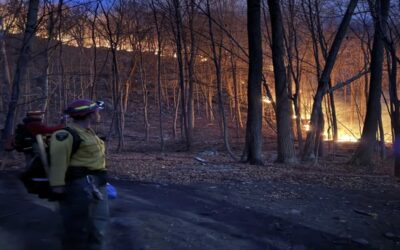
(266, 100)
(347, 138)
(307, 127)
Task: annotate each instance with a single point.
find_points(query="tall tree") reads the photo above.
(157, 24)
(316, 122)
(394, 106)
(190, 62)
(253, 145)
(21, 69)
(6, 82)
(286, 152)
(294, 70)
(217, 58)
(364, 152)
(177, 28)
(114, 16)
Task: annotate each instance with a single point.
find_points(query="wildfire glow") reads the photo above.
(347, 138)
(266, 100)
(307, 127)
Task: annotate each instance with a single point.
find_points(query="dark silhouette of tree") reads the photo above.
(21, 69)
(253, 146)
(314, 135)
(364, 152)
(286, 152)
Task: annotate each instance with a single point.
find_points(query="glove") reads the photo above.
(111, 191)
(57, 193)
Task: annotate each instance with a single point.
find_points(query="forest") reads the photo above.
(200, 91)
(319, 67)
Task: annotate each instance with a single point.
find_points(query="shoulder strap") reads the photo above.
(76, 139)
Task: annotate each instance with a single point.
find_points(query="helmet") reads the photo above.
(83, 107)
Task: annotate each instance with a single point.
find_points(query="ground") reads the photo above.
(203, 200)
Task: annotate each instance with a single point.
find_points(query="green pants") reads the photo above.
(85, 218)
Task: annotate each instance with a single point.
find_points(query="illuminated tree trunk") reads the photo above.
(21, 69)
(381, 136)
(331, 100)
(253, 144)
(314, 135)
(364, 152)
(286, 152)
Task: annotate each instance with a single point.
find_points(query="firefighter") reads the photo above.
(79, 181)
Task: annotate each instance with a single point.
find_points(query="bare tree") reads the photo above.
(253, 146)
(286, 152)
(114, 16)
(21, 69)
(294, 68)
(364, 152)
(394, 106)
(190, 62)
(217, 57)
(94, 63)
(158, 24)
(6, 81)
(43, 79)
(314, 135)
(177, 27)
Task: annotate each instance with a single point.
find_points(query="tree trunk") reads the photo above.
(94, 63)
(179, 49)
(6, 80)
(381, 136)
(253, 144)
(313, 137)
(43, 80)
(286, 152)
(237, 113)
(159, 85)
(395, 109)
(145, 97)
(364, 152)
(21, 69)
(217, 57)
(178, 100)
(190, 67)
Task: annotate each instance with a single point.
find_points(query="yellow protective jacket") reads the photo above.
(90, 154)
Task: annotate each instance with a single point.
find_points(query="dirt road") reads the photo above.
(237, 215)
